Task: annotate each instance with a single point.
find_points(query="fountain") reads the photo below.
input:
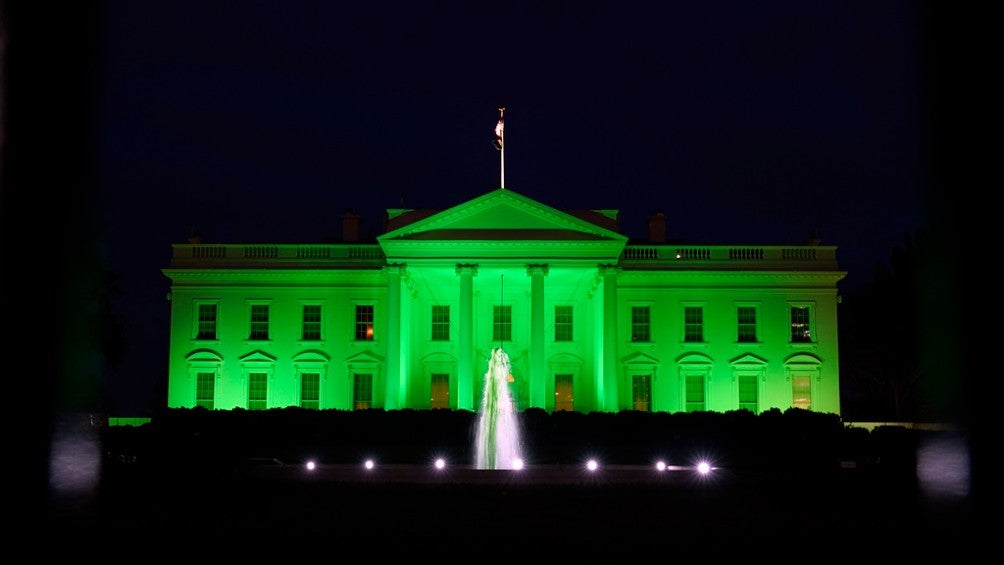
(498, 444)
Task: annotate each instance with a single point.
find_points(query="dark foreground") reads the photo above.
(789, 487)
(627, 511)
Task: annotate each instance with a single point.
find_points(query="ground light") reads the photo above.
(660, 466)
(592, 465)
(311, 465)
(440, 463)
(369, 464)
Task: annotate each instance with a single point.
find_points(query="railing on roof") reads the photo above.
(726, 257)
(665, 257)
(293, 256)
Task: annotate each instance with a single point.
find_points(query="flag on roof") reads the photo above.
(498, 135)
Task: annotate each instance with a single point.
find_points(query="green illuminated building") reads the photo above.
(590, 320)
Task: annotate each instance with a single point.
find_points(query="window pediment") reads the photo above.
(311, 356)
(257, 356)
(803, 359)
(204, 356)
(693, 358)
(637, 359)
(748, 361)
(364, 357)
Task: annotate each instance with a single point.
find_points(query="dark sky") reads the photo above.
(745, 122)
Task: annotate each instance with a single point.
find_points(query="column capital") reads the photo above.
(467, 269)
(537, 269)
(609, 269)
(396, 268)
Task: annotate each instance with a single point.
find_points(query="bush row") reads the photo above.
(793, 439)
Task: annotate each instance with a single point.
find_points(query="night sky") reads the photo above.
(246, 122)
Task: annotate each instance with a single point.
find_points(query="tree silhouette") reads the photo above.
(881, 331)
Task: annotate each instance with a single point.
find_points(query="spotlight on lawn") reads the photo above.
(660, 466)
(592, 465)
(369, 464)
(311, 465)
(440, 463)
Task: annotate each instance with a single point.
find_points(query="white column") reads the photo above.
(396, 391)
(466, 375)
(607, 400)
(538, 370)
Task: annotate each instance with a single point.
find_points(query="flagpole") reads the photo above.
(500, 134)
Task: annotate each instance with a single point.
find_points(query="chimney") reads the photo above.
(350, 226)
(657, 228)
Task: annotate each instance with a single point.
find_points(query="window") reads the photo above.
(310, 391)
(440, 323)
(641, 393)
(800, 329)
(640, 323)
(257, 391)
(746, 324)
(259, 322)
(440, 388)
(801, 392)
(748, 393)
(311, 322)
(362, 391)
(695, 393)
(562, 323)
(205, 390)
(207, 322)
(564, 399)
(502, 323)
(693, 324)
(364, 322)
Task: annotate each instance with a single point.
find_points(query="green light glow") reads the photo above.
(548, 258)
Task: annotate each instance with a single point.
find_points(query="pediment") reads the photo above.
(640, 359)
(501, 215)
(364, 357)
(748, 360)
(204, 356)
(803, 359)
(311, 356)
(694, 359)
(258, 356)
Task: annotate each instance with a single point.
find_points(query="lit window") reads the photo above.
(641, 393)
(364, 323)
(362, 391)
(800, 329)
(801, 392)
(564, 399)
(440, 387)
